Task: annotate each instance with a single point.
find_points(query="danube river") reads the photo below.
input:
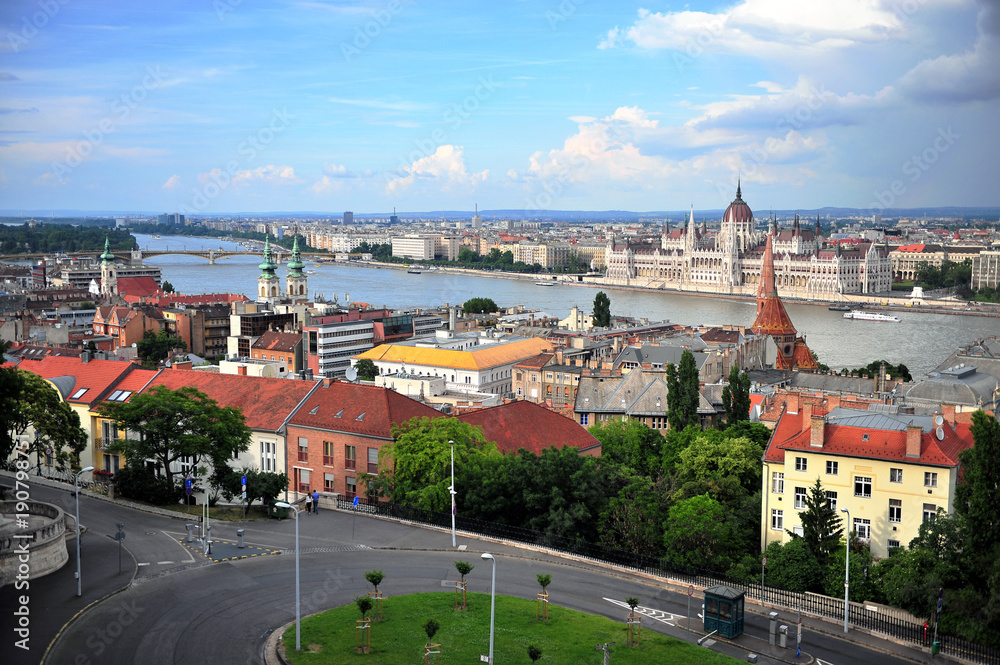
(921, 341)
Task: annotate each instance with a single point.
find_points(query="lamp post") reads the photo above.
(493, 600)
(847, 570)
(451, 490)
(76, 486)
(298, 615)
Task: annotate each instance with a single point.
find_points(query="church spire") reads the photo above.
(295, 266)
(766, 287)
(107, 258)
(739, 194)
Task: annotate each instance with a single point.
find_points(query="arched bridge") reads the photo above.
(211, 255)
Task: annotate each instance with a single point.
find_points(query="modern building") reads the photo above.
(419, 248)
(986, 270)
(891, 470)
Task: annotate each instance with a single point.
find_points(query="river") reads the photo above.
(921, 341)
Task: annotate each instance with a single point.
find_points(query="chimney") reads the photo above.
(806, 411)
(833, 401)
(913, 440)
(452, 319)
(85, 357)
(948, 411)
(242, 370)
(817, 431)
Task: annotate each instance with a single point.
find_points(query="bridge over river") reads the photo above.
(211, 255)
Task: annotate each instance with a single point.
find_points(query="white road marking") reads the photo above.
(656, 615)
(163, 563)
(823, 662)
(143, 564)
(190, 559)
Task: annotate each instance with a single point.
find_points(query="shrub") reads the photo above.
(136, 481)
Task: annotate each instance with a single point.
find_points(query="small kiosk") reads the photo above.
(724, 610)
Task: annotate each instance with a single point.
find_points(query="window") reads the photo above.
(891, 543)
(863, 486)
(303, 449)
(800, 498)
(778, 520)
(350, 457)
(303, 484)
(268, 450)
(895, 475)
(895, 510)
(832, 468)
(373, 460)
(328, 482)
(831, 500)
(351, 485)
(801, 463)
(111, 463)
(930, 511)
(584, 417)
(778, 482)
(863, 528)
(328, 453)
(930, 479)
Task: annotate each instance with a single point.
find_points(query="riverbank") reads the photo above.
(884, 301)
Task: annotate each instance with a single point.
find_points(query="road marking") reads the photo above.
(823, 662)
(163, 563)
(656, 615)
(143, 564)
(190, 559)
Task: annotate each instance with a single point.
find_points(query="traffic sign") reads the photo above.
(690, 589)
(188, 486)
(355, 502)
(764, 562)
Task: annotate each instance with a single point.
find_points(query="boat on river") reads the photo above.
(840, 308)
(870, 316)
(549, 283)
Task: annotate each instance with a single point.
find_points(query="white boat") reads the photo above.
(870, 316)
(545, 283)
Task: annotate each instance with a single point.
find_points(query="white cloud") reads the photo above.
(172, 182)
(270, 174)
(445, 168)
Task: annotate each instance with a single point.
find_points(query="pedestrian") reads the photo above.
(316, 502)
(308, 504)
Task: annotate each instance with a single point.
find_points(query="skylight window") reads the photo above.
(114, 396)
(361, 417)
(79, 393)
(339, 414)
(314, 411)
(124, 396)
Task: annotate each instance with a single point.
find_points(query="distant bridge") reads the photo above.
(211, 255)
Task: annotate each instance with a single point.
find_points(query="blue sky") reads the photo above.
(230, 105)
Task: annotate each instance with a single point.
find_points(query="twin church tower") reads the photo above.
(296, 287)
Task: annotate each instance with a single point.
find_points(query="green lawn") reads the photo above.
(568, 637)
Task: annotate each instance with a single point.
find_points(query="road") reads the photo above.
(181, 608)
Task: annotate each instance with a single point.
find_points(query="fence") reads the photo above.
(860, 615)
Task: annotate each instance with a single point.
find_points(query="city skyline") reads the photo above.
(220, 107)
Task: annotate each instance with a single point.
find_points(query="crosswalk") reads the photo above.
(657, 615)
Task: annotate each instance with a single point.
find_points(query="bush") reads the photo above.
(136, 481)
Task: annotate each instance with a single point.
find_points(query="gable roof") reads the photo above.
(277, 341)
(524, 424)
(636, 393)
(359, 409)
(494, 355)
(265, 403)
(79, 382)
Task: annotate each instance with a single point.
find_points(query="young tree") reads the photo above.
(366, 369)
(602, 310)
(431, 628)
(172, 424)
(736, 397)
(821, 526)
(374, 577)
(543, 580)
(534, 653)
(463, 568)
(364, 604)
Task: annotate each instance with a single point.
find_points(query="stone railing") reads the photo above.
(35, 550)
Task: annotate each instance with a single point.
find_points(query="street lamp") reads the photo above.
(493, 600)
(298, 615)
(847, 570)
(451, 490)
(76, 485)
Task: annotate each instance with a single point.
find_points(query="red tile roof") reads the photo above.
(523, 424)
(359, 409)
(887, 445)
(265, 403)
(138, 286)
(96, 376)
(535, 362)
(277, 341)
(720, 335)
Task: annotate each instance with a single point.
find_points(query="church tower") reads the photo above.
(109, 276)
(772, 319)
(296, 287)
(267, 283)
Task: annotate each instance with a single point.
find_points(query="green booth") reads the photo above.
(724, 610)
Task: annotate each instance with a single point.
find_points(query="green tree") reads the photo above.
(736, 397)
(167, 287)
(11, 386)
(630, 444)
(714, 456)
(374, 577)
(414, 469)
(263, 485)
(480, 306)
(155, 347)
(35, 405)
(543, 580)
(366, 369)
(674, 417)
(431, 627)
(463, 568)
(534, 653)
(821, 526)
(690, 392)
(364, 604)
(700, 534)
(633, 518)
(602, 310)
(977, 494)
(172, 424)
(792, 566)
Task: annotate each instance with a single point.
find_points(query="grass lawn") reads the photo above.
(568, 637)
(221, 513)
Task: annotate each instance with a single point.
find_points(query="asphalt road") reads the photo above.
(181, 608)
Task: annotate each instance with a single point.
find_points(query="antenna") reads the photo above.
(938, 420)
(351, 374)
(939, 433)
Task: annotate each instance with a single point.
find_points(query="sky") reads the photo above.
(216, 106)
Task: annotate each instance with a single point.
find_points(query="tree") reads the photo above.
(431, 628)
(978, 492)
(154, 347)
(30, 402)
(364, 604)
(699, 534)
(11, 385)
(167, 287)
(463, 568)
(263, 485)
(534, 653)
(480, 306)
(673, 399)
(683, 392)
(792, 566)
(171, 424)
(630, 444)
(374, 577)
(543, 580)
(602, 310)
(819, 525)
(366, 369)
(736, 397)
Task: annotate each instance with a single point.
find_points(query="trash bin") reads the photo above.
(277, 512)
(239, 538)
(935, 647)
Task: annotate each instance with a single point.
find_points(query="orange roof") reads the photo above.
(910, 248)
(523, 424)
(81, 382)
(772, 319)
(359, 409)
(265, 403)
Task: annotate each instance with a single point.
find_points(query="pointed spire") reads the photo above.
(268, 266)
(107, 258)
(295, 266)
(766, 287)
(739, 194)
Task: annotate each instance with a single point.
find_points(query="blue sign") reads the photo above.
(355, 502)
(188, 485)
(244, 481)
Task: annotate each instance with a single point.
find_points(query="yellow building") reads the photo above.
(891, 471)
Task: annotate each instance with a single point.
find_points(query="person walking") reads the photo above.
(308, 504)
(316, 502)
